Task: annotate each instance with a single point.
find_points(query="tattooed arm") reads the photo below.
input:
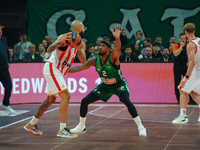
(88, 64)
(58, 42)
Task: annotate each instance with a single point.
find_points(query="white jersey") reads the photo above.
(63, 58)
(193, 83)
(196, 41)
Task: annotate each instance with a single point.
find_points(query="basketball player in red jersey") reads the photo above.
(54, 69)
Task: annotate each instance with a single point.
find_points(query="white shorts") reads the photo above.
(55, 81)
(192, 84)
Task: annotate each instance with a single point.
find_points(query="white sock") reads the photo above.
(62, 126)
(199, 109)
(183, 112)
(82, 121)
(33, 121)
(138, 122)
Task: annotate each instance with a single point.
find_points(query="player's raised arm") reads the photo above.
(62, 38)
(88, 64)
(116, 53)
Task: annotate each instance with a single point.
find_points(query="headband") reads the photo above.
(104, 42)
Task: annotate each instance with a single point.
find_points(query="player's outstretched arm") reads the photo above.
(81, 53)
(62, 38)
(88, 64)
(116, 53)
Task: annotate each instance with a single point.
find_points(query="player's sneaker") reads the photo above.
(32, 129)
(142, 131)
(180, 119)
(8, 108)
(199, 119)
(66, 133)
(78, 129)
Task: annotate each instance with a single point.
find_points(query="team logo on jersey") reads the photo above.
(98, 66)
(107, 63)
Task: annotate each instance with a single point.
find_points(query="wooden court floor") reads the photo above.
(109, 127)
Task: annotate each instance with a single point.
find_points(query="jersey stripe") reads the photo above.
(60, 58)
(53, 76)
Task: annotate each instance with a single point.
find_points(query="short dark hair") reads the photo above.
(139, 32)
(156, 43)
(127, 46)
(181, 34)
(148, 40)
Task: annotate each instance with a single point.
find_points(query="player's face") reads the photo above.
(103, 49)
(82, 33)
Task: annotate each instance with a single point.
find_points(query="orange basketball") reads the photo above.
(75, 40)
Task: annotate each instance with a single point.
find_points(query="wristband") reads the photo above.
(186, 76)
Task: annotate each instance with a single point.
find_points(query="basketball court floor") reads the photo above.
(109, 127)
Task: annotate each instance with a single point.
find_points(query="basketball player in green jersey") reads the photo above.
(108, 67)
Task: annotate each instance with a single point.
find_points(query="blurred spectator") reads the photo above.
(147, 42)
(171, 50)
(48, 39)
(124, 40)
(165, 56)
(112, 44)
(11, 53)
(31, 56)
(16, 52)
(128, 56)
(96, 52)
(99, 39)
(41, 51)
(148, 55)
(90, 51)
(22, 46)
(134, 47)
(159, 40)
(156, 50)
(106, 38)
(139, 40)
(171, 40)
(44, 42)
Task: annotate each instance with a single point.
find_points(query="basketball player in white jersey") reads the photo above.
(190, 84)
(54, 69)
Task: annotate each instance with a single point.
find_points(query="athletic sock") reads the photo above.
(62, 126)
(82, 121)
(138, 122)
(199, 109)
(33, 121)
(183, 112)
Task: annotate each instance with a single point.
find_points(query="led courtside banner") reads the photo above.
(147, 82)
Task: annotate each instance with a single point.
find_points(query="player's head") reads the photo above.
(104, 47)
(77, 26)
(189, 28)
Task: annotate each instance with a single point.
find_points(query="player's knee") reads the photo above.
(51, 99)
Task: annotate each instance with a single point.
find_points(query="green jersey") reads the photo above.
(109, 73)
(112, 81)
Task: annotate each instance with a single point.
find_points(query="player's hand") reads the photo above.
(117, 32)
(182, 83)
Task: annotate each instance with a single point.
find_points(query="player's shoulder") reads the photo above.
(191, 45)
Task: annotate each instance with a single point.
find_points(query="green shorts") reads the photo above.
(106, 91)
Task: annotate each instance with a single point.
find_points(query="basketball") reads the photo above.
(75, 40)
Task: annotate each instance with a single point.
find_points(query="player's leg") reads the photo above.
(124, 98)
(63, 110)
(7, 84)
(182, 118)
(90, 98)
(31, 126)
(196, 98)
